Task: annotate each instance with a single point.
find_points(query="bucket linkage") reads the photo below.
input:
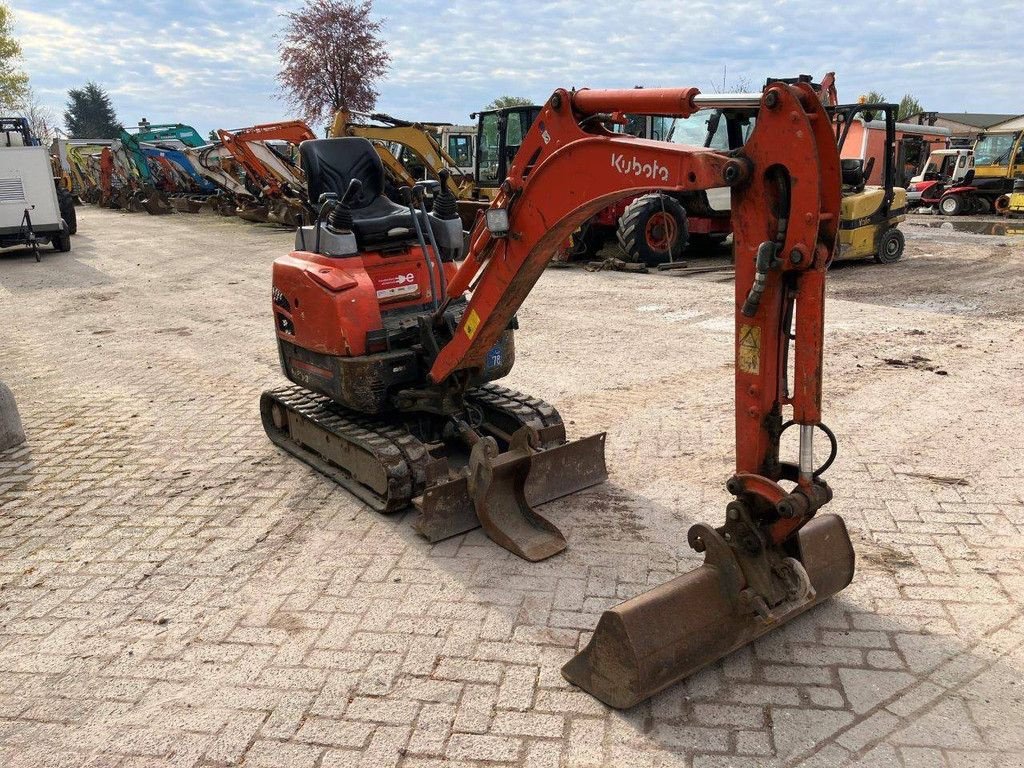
(760, 570)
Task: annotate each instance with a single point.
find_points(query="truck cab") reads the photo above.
(949, 164)
(998, 159)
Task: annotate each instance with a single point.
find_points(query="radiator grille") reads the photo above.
(12, 191)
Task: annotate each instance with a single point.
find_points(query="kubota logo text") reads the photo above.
(633, 167)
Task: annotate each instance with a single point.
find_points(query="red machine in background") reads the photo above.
(276, 182)
(656, 227)
(393, 351)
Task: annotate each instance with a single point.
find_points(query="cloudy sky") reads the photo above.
(211, 63)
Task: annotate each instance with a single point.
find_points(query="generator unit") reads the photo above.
(30, 213)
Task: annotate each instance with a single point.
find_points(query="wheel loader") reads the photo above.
(394, 350)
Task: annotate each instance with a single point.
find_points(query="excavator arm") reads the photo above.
(238, 144)
(770, 560)
(786, 199)
(277, 185)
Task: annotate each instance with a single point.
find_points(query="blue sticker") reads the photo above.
(494, 357)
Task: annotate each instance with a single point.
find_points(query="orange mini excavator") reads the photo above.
(393, 350)
(275, 183)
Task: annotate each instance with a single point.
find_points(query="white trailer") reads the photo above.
(29, 208)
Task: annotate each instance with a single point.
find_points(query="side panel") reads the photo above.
(26, 181)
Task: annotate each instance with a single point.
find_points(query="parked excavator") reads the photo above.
(393, 352)
(411, 153)
(277, 184)
(214, 163)
(127, 180)
(425, 157)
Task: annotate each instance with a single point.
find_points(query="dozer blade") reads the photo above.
(646, 644)
(186, 204)
(447, 509)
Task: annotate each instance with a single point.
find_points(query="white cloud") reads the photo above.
(212, 63)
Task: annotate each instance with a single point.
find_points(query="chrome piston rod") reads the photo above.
(806, 451)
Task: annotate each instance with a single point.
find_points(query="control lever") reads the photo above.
(767, 260)
(409, 198)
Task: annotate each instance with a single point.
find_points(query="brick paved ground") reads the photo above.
(176, 591)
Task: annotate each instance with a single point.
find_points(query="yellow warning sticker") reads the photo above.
(748, 357)
(472, 323)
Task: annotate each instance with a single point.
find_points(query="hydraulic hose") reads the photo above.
(441, 279)
(409, 196)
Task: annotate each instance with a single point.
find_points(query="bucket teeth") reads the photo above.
(657, 638)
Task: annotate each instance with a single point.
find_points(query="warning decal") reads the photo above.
(748, 356)
(472, 323)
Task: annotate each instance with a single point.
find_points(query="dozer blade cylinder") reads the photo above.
(655, 639)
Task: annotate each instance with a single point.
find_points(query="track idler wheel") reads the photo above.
(646, 644)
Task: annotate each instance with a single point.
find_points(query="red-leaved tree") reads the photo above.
(331, 57)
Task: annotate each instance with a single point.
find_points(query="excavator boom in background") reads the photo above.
(395, 351)
(277, 183)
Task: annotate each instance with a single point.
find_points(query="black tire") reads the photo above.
(587, 242)
(652, 230)
(982, 205)
(951, 205)
(62, 241)
(890, 247)
(67, 210)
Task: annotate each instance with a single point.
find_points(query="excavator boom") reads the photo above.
(277, 182)
(761, 568)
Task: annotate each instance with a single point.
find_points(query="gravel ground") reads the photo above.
(176, 591)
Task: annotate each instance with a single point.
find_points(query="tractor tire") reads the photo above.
(953, 205)
(652, 230)
(66, 203)
(982, 205)
(890, 247)
(62, 241)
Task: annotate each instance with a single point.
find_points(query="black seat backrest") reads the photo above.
(968, 178)
(330, 164)
(853, 172)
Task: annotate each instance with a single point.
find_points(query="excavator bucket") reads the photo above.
(502, 489)
(154, 203)
(655, 639)
(258, 213)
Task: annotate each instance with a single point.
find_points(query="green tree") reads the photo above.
(873, 97)
(13, 82)
(509, 101)
(333, 54)
(90, 114)
(908, 106)
(213, 137)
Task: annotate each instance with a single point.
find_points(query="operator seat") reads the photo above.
(330, 164)
(853, 173)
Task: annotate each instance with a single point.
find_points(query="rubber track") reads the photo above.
(403, 457)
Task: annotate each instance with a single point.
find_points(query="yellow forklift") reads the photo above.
(870, 215)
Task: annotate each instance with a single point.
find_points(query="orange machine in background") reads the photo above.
(914, 143)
